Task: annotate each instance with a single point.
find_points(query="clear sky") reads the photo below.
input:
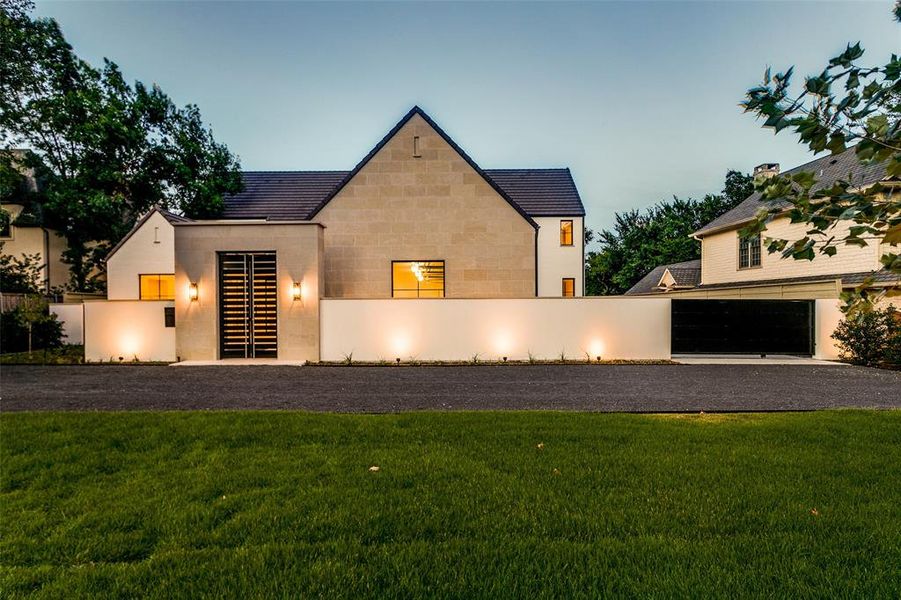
(638, 99)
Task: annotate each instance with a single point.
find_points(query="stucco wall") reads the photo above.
(827, 315)
(72, 318)
(435, 207)
(127, 330)
(612, 327)
(719, 256)
(43, 242)
(298, 249)
(555, 261)
(150, 250)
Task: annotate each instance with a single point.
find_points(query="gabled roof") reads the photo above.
(827, 169)
(686, 274)
(169, 216)
(300, 195)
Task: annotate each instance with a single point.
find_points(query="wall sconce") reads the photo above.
(192, 291)
(296, 291)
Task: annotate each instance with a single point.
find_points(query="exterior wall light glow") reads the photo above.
(192, 291)
(296, 291)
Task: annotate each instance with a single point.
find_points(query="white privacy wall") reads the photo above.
(72, 318)
(452, 329)
(128, 329)
(827, 315)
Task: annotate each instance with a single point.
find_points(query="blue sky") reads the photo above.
(638, 99)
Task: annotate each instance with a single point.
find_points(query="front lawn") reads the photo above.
(463, 504)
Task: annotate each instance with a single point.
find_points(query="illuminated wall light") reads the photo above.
(297, 291)
(193, 294)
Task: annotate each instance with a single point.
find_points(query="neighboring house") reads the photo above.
(733, 268)
(22, 233)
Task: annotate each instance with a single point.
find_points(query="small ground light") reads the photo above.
(397, 360)
(505, 359)
(598, 358)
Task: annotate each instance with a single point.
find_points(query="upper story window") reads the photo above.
(417, 279)
(749, 252)
(566, 233)
(569, 287)
(157, 286)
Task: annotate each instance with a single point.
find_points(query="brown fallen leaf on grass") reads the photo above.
(556, 471)
(374, 469)
(540, 446)
(814, 512)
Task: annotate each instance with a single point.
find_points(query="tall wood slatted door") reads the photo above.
(248, 305)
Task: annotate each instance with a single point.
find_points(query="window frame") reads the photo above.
(563, 293)
(572, 232)
(421, 260)
(158, 298)
(747, 243)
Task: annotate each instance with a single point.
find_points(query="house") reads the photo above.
(732, 268)
(415, 219)
(22, 231)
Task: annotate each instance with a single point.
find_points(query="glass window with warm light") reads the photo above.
(566, 233)
(569, 287)
(417, 279)
(157, 287)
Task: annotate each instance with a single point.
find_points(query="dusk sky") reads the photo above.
(638, 99)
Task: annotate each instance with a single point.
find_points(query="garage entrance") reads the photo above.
(742, 327)
(248, 311)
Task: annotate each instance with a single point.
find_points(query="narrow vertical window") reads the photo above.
(416, 153)
(156, 235)
(569, 287)
(749, 252)
(566, 233)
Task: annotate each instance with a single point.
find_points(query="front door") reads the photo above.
(248, 305)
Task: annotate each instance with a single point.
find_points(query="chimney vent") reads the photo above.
(766, 170)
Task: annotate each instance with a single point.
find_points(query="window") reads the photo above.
(749, 252)
(566, 233)
(417, 279)
(569, 287)
(157, 287)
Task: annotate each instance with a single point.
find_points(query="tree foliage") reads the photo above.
(107, 150)
(845, 105)
(642, 240)
(20, 275)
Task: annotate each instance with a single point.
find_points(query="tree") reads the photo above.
(845, 105)
(640, 241)
(33, 310)
(107, 150)
(20, 275)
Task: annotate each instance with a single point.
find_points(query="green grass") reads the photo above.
(64, 355)
(464, 505)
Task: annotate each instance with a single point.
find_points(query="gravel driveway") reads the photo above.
(633, 388)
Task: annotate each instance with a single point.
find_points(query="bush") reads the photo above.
(47, 332)
(871, 338)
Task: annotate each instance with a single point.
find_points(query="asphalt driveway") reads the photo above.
(633, 388)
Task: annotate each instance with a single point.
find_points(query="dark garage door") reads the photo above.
(742, 326)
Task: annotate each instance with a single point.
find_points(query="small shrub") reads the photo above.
(47, 331)
(871, 338)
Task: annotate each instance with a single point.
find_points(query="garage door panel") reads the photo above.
(742, 326)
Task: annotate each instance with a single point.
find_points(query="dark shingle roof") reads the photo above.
(295, 195)
(687, 273)
(299, 195)
(541, 192)
(827, 169)
(281, 195)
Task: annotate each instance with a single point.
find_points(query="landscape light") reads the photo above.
(192, 291)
